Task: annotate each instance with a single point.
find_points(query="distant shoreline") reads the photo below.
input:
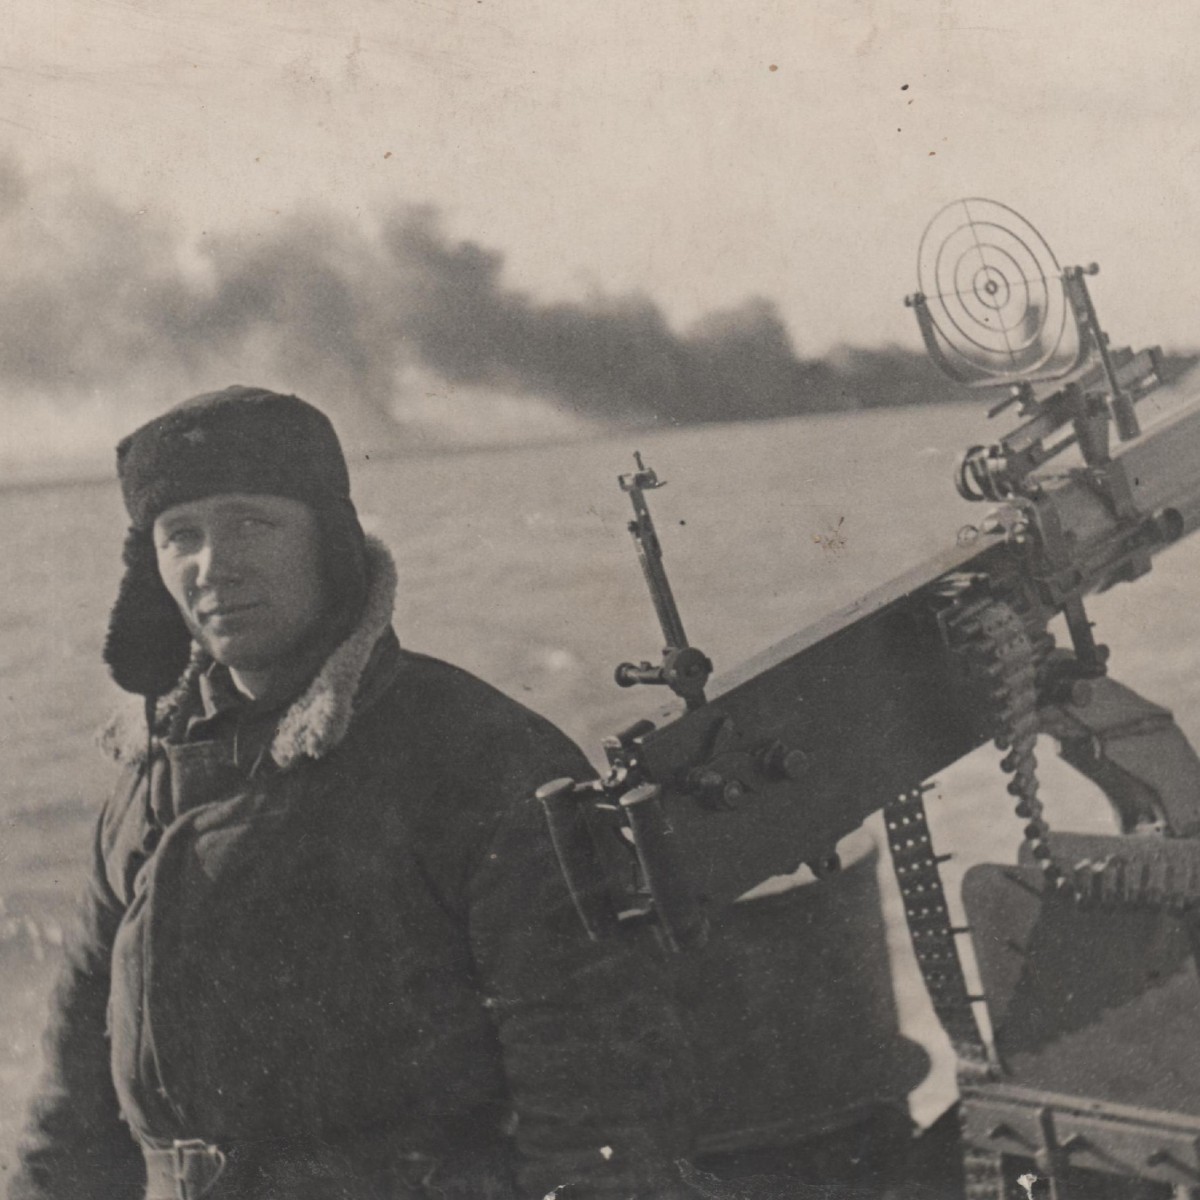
(859, 381)
(46, 476)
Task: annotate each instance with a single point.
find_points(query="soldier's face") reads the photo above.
(245, 572)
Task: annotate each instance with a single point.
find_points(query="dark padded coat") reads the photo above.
(349, 958)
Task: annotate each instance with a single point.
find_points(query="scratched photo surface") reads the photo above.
(507, 244)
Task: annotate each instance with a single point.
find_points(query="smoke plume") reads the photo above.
(108, 315)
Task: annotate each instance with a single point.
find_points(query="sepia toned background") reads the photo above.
(507, 243)
(499, 219)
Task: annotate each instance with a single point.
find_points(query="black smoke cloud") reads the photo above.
(104, 300)
(611, 357)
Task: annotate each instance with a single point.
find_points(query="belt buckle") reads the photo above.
(197, 1165)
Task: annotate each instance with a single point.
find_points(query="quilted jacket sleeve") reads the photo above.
(594, 1054)
(75, 1147)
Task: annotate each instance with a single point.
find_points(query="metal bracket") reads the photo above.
(1134, 752)
(684, 669)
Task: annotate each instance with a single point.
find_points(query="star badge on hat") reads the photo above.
(195, 436)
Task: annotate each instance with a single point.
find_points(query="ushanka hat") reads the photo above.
(242, 439)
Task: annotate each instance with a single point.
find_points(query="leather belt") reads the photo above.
(472, 1161)
(185, 1170)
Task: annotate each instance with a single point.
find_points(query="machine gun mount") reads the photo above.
(794, 749)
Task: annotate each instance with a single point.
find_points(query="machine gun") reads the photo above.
(854, 715)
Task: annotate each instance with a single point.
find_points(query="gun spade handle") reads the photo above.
(577, 858)
(674, 901)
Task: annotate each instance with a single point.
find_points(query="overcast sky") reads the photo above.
(699, 152)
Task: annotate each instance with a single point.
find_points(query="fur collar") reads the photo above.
(318, 719)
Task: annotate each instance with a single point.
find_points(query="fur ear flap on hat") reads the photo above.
(148, 645)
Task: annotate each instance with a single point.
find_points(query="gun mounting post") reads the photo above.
(684, 669)
(1122, 405)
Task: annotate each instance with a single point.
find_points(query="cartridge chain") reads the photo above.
(1002, 656)
(983, 1175)
(999, 651)
(929, 927)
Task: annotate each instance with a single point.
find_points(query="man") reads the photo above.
(325, 951)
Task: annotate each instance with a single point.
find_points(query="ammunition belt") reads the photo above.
(999, 651)
(929, 927)
(1001, 655)
(1151, 873)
